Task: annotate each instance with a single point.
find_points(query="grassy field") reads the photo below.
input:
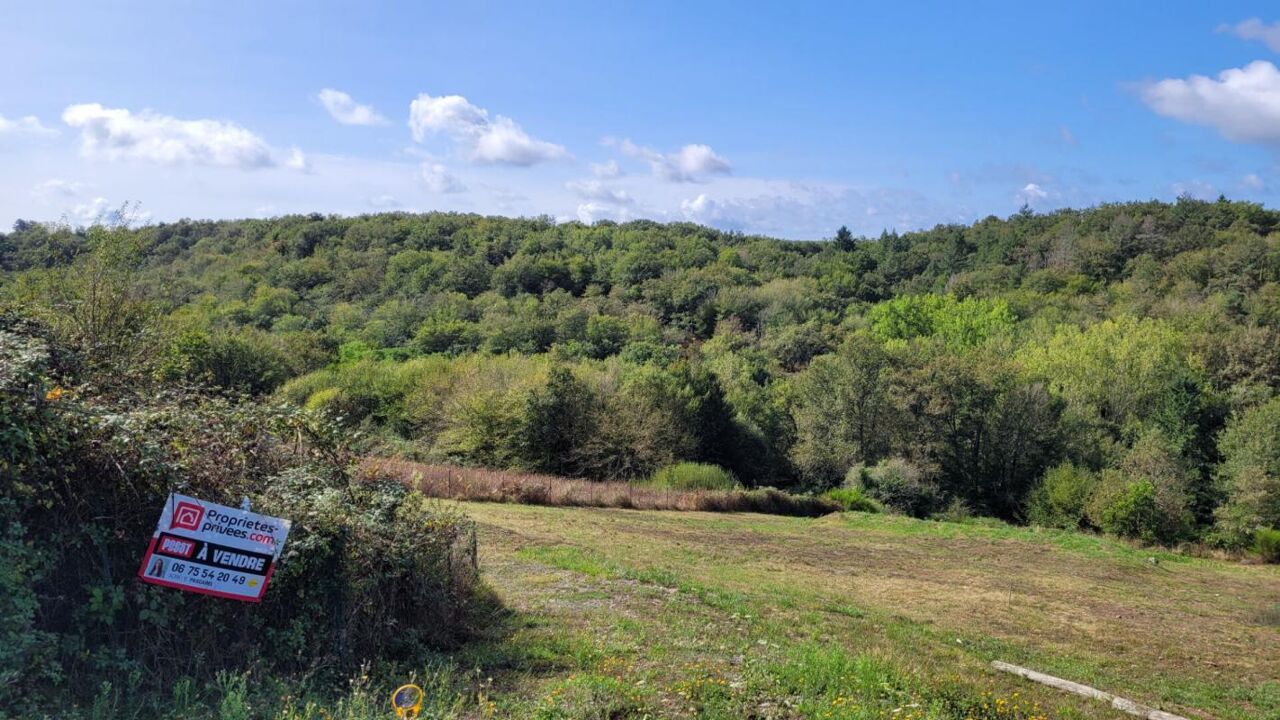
(622, 613)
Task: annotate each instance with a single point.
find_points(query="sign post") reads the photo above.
(213, 549)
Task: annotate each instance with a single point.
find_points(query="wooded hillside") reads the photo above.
(1114, 368)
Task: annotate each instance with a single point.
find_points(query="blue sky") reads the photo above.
(788, 119)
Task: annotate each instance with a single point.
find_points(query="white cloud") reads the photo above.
(99, 211)
(57, 188)
(347, 111)
(90, 213)
(597, 191)
(691, 163)
(1033, 192)
(297, 160)
(1253, 182)
(1243, 104)
(385, 202)
(118, 134)
(607, 170)
(496, 141)
(28, 125)
(590, 212)
(1255, 29)
(439, 180)
(803, 210)
(602, 202)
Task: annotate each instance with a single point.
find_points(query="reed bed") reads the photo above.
(482, 485)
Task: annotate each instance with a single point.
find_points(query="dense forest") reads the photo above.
(1115, 368)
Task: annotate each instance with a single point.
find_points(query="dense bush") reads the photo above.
(1129, 509)
(370, 570)
(1061, 498)
(851, 499)
(1267, 543)
(693, 476)
(900, 485)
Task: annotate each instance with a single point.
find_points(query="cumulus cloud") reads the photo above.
(1033, 193)
(118, 134)
(602, 202)
(599, 192)
(591, 212)
(1255, 29)
(346, 110)
(691, 163)
(439, 180)
(1243, 104)
(606, 170)
(1253, 182)
(483, 140)
(28, 125)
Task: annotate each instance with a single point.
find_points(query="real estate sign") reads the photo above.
(213, 549)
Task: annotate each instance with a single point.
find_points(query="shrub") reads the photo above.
(851, 499)
(370, 572)
(898, 484)
(1060, 498)
(693, 476)
(1132, 512)
(956, 511)
(769, 501)
(1267, 542)
(247, 362)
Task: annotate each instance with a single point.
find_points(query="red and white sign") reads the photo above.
(213, 549)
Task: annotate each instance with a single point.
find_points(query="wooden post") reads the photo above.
(1119, 703)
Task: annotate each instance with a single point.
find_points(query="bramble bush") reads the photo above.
(371, 571)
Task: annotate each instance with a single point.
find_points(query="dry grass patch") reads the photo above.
(481, 485)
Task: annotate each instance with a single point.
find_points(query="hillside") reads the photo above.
(1103, 368)
(970, 359)
(856, 616)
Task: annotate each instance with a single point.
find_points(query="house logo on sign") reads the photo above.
(187, 516)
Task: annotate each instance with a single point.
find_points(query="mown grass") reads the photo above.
(865, 616)
(615, 614)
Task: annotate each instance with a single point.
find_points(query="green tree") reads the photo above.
(843, 411)
(1250, 474)
(844, 239)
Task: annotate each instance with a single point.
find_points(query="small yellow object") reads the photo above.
(407, 701)
(53, 394)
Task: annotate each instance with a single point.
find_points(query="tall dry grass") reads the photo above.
(481, 485)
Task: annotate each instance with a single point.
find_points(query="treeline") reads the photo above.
(1114, 368)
